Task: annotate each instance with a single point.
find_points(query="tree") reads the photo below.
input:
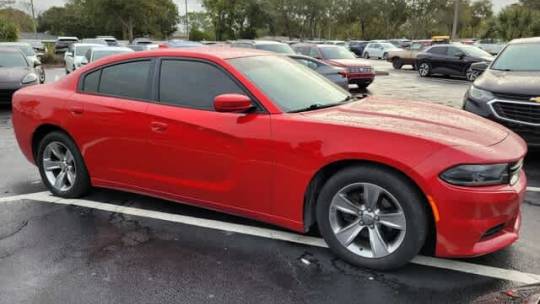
(8, 30)
(22, 20)
(517, 21)
(482, 10)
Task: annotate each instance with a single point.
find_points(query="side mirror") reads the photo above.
(233, 103)
(479, 66)
(460, 55)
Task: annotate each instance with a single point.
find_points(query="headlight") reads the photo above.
(480, 95)
(29, 78)
(482, 175)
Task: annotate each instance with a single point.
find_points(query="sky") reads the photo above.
(42, 5)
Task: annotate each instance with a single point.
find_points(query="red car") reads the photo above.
(359, 71)
(259, 135)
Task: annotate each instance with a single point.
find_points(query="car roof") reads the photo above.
(87, 44)
(258, 41)
(67, 38)
(525, 40)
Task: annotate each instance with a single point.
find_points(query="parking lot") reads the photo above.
(115, 247)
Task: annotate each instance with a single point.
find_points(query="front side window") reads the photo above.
(128, 79)
(91, 82)
(289, 84)
(193, 84)
(438, 50)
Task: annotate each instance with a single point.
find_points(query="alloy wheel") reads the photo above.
(423, 69)
(59, 166)
(471, 75)
(367, 220)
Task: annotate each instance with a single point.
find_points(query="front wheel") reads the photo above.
(366, 55)
(424, 69)
(372, 217)
(396, 63)
(471, 74)
(61, 166)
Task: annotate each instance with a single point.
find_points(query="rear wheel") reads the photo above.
(396, 63)
(471, 74)
(372, 217)
(61, 166)
(366, 55)
(424, 69)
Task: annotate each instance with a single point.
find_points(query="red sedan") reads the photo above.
(261, 136)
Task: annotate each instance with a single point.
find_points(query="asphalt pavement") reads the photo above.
(117, 247)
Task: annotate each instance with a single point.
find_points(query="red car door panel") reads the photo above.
(223, 158)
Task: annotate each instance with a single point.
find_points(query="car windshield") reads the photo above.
(519, 57)
(82, 49)
(12, 60)
(336, 52)
(475, 52)
(26, 49)
(276, 48)
(101, 54)
(290, 85)
(387, 45)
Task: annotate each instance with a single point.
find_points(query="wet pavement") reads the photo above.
(55, 253)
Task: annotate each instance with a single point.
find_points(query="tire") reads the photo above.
(407, 208)
(396, 63)
(471, 74)
(53, 152)
(366, 55)
(42, 76)
(424, 69)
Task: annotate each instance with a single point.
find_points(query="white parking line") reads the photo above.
(533, 189)
(482, 270)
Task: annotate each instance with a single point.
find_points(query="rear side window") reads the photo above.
(126, 80)
(439, 50)
(91, 82)
(193, 84)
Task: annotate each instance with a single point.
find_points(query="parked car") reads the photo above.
(490, 45)
(406, 56)
(15, 72)
(31, 56)
(95, 41)
(111, 41)
(265, 45)
(508, 91)
(357, 47)
(379, 50)
(400, 43)
(96, 53)
(336, 42)
(75, 55)
(62, 43)
(177, 43)
(334, 74)
(144, 41)
(359, 72)
(450, 59)
(143, 47)
(216, 128)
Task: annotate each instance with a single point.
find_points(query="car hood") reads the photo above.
(435, 123)
(348, 62)
(12, 75)
(512, 83)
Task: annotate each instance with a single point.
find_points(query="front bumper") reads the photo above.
(477, 221)
(361, 78)
(531, 134)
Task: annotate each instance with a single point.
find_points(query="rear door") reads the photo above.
(439, 59)
(108, 119)
(212, 158)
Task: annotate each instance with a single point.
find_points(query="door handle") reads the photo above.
(158, 126)
(77, 110)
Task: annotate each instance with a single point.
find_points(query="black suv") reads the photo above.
(450, 59)
(509, 90)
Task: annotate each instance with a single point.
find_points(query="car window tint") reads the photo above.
(454, 51)
(439, 50)
(91, 82)
(126, 80)
(314, 52)
(193, 84)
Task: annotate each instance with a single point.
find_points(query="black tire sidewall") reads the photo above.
(396, 63)
(82, 182)
(410, 200)
(429, 69)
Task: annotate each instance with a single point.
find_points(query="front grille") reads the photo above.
(359, 69)
(523, 112)
(513, 96)
(5, 96)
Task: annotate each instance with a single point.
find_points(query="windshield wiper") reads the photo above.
(315, 106)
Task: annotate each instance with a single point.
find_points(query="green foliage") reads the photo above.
(121, 18)
(22, 20)
(8, 30)
(517, 21)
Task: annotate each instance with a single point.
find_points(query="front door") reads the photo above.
(212, 158)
